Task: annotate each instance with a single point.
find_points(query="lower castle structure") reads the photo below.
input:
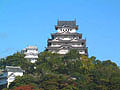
(31, 53)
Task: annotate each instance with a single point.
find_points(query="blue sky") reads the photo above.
(30, 22)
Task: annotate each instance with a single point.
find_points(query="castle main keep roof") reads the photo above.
(70, 24)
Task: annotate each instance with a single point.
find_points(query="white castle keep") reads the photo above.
(31, 53)
(66, 39)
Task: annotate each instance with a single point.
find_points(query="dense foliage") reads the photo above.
(69, 72)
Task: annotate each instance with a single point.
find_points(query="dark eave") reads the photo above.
(66, 34)
(72, 27)
(66, 41)
(69, 47)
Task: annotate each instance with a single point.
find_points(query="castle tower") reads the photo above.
(31, 53)
(66, 39)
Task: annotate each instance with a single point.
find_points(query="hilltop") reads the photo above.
(64, 72)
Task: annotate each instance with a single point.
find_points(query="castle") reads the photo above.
(66, 38)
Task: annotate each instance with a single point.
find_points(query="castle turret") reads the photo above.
(31, 53)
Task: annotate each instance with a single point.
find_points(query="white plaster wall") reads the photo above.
(65, 38)
(31, 56)
(63, 51)
(31, 51)
(11, 78)
(73, 31)
(64, 30)
(55, 45)
(16, 73)
(83, 52)
(33, 60)
(59, 31)
(77, 46)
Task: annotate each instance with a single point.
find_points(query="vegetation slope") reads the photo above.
(64, 72)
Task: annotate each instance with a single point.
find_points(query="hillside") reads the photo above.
(69, 72)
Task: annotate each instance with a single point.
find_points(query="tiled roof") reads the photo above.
(68, 23)
(13, 69)
(70, 34)
(68, 41)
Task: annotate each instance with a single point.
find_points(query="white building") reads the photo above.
(31, 53)
(10, 74)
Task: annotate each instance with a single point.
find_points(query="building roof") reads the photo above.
(67, 41)
(70, 24)
(13, 69)
(32, 47)
(68, 47)
(67, 34)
